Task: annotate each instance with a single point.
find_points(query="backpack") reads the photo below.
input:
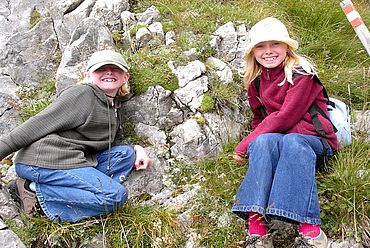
(339, 116)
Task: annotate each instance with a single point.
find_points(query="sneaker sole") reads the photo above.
(13, 191)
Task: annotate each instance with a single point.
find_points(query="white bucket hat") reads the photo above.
(269, 29)
(106, 57)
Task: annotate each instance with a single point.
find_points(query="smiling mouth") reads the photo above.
(270, 58)
(109, 80)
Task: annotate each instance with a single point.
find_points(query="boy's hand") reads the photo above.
(142, 160)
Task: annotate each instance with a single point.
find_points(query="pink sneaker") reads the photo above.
(258, 242)
(320, 241)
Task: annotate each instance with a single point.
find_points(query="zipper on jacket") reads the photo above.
(115, 110)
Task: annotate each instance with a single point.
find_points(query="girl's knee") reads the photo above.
(294, 145)
(294, 141)
(265, 141)
(293, 138)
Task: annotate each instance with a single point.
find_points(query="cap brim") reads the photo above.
(98, 65)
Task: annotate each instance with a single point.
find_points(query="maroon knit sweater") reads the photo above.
(287, 107)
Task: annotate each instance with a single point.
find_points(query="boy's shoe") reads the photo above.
(21, 195)
(319, 242)
(258, 242)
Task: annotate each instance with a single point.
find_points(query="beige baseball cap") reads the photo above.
(269, 29)
(106, 57)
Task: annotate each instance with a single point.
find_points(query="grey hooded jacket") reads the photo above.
(68, 133)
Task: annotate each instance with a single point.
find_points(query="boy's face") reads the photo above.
(270, 54)
(109, 78)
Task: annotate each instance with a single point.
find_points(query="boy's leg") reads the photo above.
(116, 163)
(74, 194)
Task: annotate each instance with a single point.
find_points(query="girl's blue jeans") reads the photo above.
(74, 194)
(280, 181)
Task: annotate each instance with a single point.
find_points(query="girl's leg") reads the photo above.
(253, 194)
(294, 192)
(256, 224)
(309, 230)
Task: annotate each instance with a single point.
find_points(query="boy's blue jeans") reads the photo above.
(74, 194)
(280, 181)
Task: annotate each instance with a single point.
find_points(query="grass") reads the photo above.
(344, 192)
(148, 68)
(133, 226)
(344, 68)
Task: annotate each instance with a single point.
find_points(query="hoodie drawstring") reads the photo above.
(110, 133)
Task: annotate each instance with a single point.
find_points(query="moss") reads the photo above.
(200, 120)
(208, 104)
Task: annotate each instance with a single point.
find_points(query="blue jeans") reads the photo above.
(280, 181)
(74, 194)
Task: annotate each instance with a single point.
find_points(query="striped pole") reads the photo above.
(357, 23)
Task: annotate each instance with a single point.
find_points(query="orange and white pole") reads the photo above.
(357, 23)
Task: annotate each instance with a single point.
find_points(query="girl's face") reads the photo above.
(270, 54)
(109, 78)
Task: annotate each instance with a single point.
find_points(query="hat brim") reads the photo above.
(100, 64)
(293, 44)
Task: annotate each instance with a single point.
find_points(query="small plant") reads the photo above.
(117, 38)
(221, 177)
(225, 93)
(35, 18)
(34, 101)
(130, 137)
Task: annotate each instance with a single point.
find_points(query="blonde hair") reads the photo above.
(123, 90)
(291, 64)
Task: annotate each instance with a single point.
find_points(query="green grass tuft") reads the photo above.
(149, 68)
(344, 192)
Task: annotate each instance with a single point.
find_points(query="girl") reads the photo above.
(283, 147)
(69, 159)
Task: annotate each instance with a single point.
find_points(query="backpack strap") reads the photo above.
(314, 110)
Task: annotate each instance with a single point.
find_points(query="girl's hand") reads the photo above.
(239, 159)
(142, 160)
